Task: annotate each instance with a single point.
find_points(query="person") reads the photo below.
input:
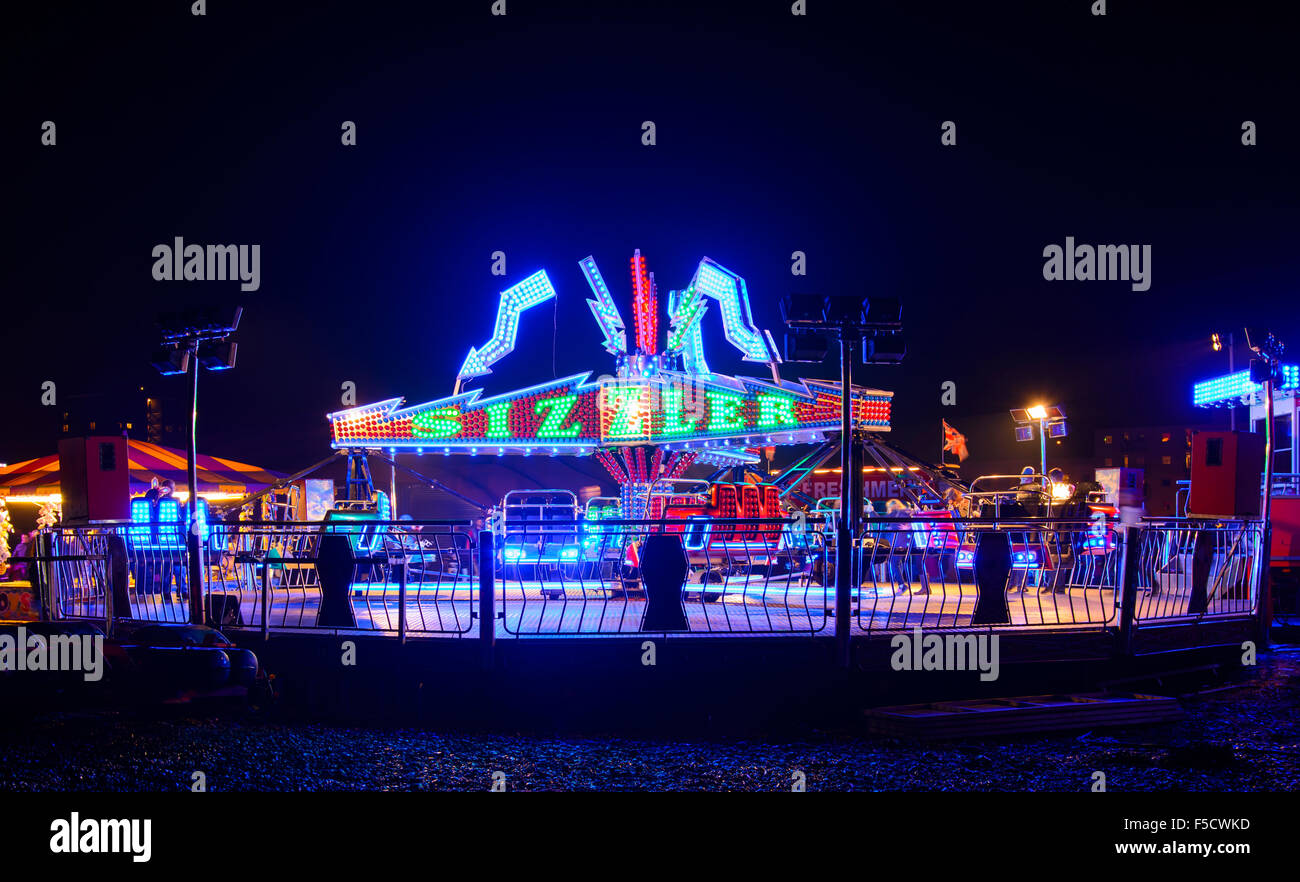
(1029, 493)
(1063, 504)
(147, 570)
(1062, 489)
(900, 549)
(26, 547)
(173, 565)
(956, 502)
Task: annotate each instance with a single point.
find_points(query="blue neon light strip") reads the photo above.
(529, 293)
(1230, 387)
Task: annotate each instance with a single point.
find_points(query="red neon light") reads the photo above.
(645, 306)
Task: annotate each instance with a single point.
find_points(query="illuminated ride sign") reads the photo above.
(574, 416)
(667, 399)
(1232, 388)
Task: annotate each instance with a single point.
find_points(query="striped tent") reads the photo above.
(40, 477)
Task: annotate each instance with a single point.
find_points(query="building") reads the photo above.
(1164, 453)
(139, 415)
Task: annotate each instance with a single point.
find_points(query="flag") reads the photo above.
(954, 442)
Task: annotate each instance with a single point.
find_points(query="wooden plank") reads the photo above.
(1024, 714)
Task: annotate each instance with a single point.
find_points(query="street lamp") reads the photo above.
(877, 324)
(1051, 424)
(190, 339)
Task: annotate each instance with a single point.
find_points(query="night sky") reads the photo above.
(522, 134)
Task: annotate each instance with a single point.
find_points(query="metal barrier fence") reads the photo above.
(922, 571)
(1192, 569)
(410, 577)
(406, 577)
(79, 568)
(1061, 574)
(742, 576)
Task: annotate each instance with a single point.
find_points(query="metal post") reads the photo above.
(392, 487)
(266, 599)
(487, 606)
(849, 519)
(1042, 447)
(193, 544)
(1128, 581)
(108, 593)
(1232, 411)
(43, 574)
(1266, 549)
(401, 601)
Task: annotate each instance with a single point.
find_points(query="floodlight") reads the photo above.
(170, 361)
(806, 347)
(886, 349)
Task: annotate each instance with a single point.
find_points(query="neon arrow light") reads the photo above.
(529, 293)
(724, 286)
(686, 309)
(603, 308)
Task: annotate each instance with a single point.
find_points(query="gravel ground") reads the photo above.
(1245, 738)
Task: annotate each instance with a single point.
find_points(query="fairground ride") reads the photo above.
(661, 411)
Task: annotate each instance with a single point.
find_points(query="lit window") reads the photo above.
(1165, 460)
(1109, 439)
(1164, 438)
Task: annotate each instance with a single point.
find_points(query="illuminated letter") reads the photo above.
(674, 424)
(556, 411)
(629, 419)
(441, 423)
(724, 412)
(498, 420)
(775, 410)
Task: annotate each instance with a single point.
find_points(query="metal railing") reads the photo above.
(1195, 569)
(587, 577)
(1285, 484)
(417, 577)
(923, 571)
(742, 576)
(406, 577)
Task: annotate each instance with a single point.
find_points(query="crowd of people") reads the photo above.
(1031, 498)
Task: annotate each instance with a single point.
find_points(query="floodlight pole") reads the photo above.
(1232, 410)
(1042, 446)
(1266, 541)
(850, 516)
(193, 542)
